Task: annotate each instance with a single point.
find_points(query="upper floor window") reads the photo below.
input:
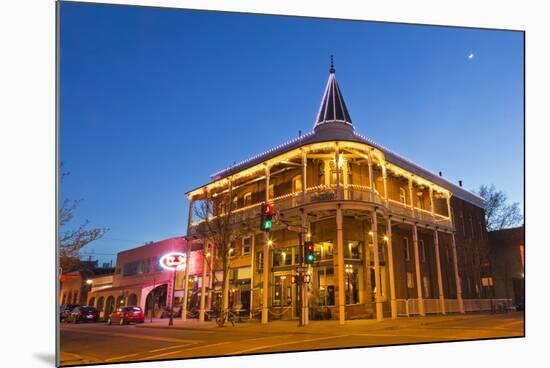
(235, 202)
(472, 226)
(406, 249)
(247, 245)
(422, 247)
(402, 195)
(247, 199)
(271, 191)
(463, 225)
(297, 184)
(410, 280)
(232, 248)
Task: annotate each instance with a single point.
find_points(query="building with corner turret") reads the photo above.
(390, 237)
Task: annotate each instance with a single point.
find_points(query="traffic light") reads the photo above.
(307, 278)
(293, 279)
(266, 222)
(309, 257)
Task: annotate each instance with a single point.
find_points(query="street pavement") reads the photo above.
(100, 343)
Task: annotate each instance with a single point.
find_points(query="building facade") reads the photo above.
(139, 280)
(390, 237)
(507, 249)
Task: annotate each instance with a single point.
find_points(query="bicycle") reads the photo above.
(226, 316)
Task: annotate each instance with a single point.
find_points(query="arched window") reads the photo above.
(132, 299)
(100, 303)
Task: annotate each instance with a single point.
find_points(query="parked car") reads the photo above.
(65, 310)
(125, 315)
(83, 314)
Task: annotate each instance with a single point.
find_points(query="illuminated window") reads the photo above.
(402, 195)
(271, 191)
(410, 280)
(426, 282)
(352, 249)
(297, 184)
(247, 199)
(247, 245)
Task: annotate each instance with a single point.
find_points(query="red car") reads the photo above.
(125, 315)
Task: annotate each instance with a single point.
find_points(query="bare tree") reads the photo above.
(219, 226)
(71, 240)
(498, 213)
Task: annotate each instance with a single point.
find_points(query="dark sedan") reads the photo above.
(83, 314)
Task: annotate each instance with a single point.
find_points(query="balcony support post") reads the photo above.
(337, 166)
(385, 177)
(340, 265)
(418, 274)
(393, 301)
(376, 255)
(304, 173)
(371, 177)
(439, 279)
(457, 278)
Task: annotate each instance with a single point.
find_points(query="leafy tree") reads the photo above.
(499, 214)
(221, 228)
(71, 240)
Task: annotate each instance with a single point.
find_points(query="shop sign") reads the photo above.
(173, 261)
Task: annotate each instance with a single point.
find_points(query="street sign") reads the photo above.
(297, 229)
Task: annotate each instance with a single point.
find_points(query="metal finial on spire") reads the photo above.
(332, 70)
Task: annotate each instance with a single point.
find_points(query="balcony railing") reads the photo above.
(348, 192)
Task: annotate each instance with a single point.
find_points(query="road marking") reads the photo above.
(168, 348)
(415, 335)
(286, 343)
(121, 357)
(142, 337)
(185, 350)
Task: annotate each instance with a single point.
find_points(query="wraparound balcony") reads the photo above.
(348, 193)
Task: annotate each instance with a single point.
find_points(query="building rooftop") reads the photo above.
(334, 123)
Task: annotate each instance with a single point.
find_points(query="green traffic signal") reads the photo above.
(267, 224)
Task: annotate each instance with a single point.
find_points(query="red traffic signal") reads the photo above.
(268, 209)
(309, 256)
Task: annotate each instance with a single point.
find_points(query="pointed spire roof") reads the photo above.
(333, 108)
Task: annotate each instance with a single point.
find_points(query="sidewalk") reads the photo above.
(313, 326)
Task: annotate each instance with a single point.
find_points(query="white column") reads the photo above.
(439, 279)
(265, 281)
(393, 301)
(203, 282)
(371, 177)
(305, 307)
(418, 274)
(411, 194)
(457, 278)
(432, 209)
(385, 177)
(304, 177)
(336, 157)
(252, 260)
(377, 281)
(340, 265)
(449, 207)
(186, 282)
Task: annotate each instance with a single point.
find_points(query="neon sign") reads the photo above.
(173, 261)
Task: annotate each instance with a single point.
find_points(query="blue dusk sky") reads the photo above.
(153, 101)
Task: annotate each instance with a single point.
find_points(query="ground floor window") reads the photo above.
(351, 283)
(325, 286)
(282, 290)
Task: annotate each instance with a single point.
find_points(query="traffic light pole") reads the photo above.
(300, 282)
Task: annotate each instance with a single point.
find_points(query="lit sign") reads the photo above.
(173, 261)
